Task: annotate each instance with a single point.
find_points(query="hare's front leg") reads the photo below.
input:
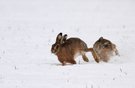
(116, 52)
(72, 61)
(62, 61)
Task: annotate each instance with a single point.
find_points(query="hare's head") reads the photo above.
(59, 41)
(104, 43)
(104, 49)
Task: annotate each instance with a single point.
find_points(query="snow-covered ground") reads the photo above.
(28, 28)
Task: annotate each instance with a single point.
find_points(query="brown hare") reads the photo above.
(104, 49)
(68, 49)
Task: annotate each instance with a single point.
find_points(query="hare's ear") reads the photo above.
(59, 37)
(101, 38)
(64, 38)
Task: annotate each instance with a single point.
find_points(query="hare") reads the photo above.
(104, 49)
(68, 49)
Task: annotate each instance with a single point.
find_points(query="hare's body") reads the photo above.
(104, 49)
(67, 49)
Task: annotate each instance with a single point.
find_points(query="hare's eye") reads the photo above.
(106, 46)
(57, 46)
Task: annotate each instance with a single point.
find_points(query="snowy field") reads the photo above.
(28, 28)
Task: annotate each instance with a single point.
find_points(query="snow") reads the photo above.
(28, 28)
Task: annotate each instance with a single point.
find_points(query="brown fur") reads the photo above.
(104, 49)
(67, 49)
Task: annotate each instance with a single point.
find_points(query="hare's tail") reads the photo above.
(89, 50)
(94, 54)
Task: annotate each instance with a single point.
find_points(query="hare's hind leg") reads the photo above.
(85, 58)
(94, 54)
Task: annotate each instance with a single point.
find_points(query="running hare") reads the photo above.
(68, 49)
(104, 49)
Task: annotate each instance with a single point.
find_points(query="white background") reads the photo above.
(28, 28)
